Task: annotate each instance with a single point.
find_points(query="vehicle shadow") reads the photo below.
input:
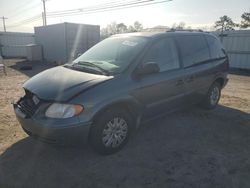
(241, 72)
(31, 68)
(191, 148)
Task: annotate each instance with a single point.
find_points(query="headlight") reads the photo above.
(57, 110)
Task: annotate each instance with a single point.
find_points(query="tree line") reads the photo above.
(117, 28)
(225, 23)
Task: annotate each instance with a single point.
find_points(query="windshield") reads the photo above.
(112, 55)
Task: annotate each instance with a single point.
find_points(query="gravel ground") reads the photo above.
(194, 148)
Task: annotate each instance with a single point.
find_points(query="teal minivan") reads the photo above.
(103, 95)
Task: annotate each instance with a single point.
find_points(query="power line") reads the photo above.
(89, 7)
(20, 6)
(26, 21)
(93, 7)
(102, 7)
(28, 7)
(37, 17)
(4, 26)
(109, 8)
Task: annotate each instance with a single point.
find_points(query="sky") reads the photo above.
(195, 13)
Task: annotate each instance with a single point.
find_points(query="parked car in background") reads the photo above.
(103, 95)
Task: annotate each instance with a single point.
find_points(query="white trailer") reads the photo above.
(63, 42)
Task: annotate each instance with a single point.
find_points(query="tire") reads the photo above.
(213, 96)
(111, 131)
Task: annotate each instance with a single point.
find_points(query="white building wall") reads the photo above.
(237, 45)
(13, 44)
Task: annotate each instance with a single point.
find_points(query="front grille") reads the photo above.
(27, 105)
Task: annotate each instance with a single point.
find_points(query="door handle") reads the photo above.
(190, 79)
(179, 82)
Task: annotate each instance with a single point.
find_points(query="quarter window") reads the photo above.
(164, 53)
(194, 49)
(216, 49)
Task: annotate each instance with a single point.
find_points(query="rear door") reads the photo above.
(197, 65)
(162, 91)
(218, 56)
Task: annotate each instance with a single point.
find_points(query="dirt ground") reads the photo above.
(194, 148)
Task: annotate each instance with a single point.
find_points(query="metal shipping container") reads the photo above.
(237, 45)
(34, 52)
(63, 42)
(13, 44)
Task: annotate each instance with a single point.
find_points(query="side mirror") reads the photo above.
(148, 68)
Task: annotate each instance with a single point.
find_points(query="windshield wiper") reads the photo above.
(103, 71)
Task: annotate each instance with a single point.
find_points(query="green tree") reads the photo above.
(131, 29)
(110, 29)
(225, 24)
(114, 28)
(121, 28)
(138, 26)
(245, 23)
(179, 26)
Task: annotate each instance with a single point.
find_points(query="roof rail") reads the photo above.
(189, 30)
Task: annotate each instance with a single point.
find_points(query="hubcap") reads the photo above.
(215, 94)
(115, 132)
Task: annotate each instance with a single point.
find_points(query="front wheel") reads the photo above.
(111, 131)
(213, 96)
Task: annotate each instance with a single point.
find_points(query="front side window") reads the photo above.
(112, 55)
(194, 49)
(164, 53)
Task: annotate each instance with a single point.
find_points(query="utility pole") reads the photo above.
(4, 27)
(44, 13)
(43, 18)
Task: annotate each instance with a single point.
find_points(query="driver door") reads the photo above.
(163, 91)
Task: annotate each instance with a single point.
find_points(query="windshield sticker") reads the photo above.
(129, 43)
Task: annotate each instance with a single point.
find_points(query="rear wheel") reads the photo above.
(213, 96)
(111, 131)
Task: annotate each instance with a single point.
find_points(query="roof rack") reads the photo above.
(189, 30)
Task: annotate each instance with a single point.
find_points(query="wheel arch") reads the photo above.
(221, 81)
(130, 105)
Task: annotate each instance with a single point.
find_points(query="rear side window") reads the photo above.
(194, 49)
(216, 49)
(164, 53)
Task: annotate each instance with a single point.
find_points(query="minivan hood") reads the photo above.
(61, 83)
